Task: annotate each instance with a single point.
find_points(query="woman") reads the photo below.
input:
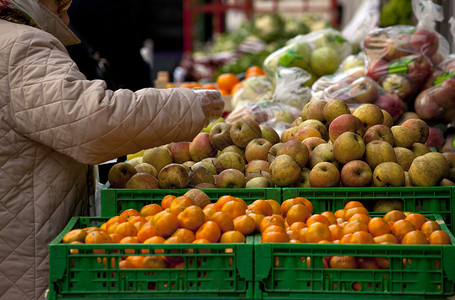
(54, 124)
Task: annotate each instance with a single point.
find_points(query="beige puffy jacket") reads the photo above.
(53, 124)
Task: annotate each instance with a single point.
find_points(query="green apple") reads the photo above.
(324, 61)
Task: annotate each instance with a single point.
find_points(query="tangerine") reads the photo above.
(439, 237)
(377, 226)
(386, 238)
(276, 206)
(226, 81)
(393, 216)
(167, 200)
(165, 223)
(317, 232)
(401, 227)
(343, 262)
(147, 231)
(244, 224)
(210, 231)
(415, 237)
(298, 213)
(317, 218)
(150, 210)
(429, 226)
(232, 236)
(416, 219)
(191, 217)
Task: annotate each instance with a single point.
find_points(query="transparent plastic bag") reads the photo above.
(256, 88)
(290, 87)
(319, 53)
(438, 102)
(407, 51)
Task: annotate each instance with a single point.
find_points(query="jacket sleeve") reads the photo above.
(55, 105)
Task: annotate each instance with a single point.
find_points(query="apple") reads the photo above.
(324, 60)
(200, 175)
(315, 109)
(435, 138)
(257, 148)
(142, 181)
(269, 134)
(235, 149)
(419, 68)
(404, 157)
(146, 168)
(378, 132)
(312, 142)
(388, 174)
(356, 173)
(304, 180)
(135, 161)
(260, 173)
(369, 114)
(364, 90)
(397, 47)
(335, 108)
(119, 174)
(348, 146)
(207, 165)
(427, 107)
(258, 182)
(419, 127)
(229, 160)
(273, 151)
(201, 147)
(324, 174)
(377, 152)
(303, 112)
(295, 123)
(306, 132)
(173, 176)
(158, 157)
(230, 178)
(257, 165)
(377, 69)
(243, 131)
(288, 134)
(200, 198)
(284, 170)
(344, 123)
(402, 136)
(388, 120)
(323, 152)
(180, 152)
(220, 135)
(425, 41)
(284, 116)
(297, 151)
(392, 104)
(317, 125)
(397, 84)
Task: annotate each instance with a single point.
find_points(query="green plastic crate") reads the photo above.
(433, 200)
(296, 271)
(114, 201)
(207, 275)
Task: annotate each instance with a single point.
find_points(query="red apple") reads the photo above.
(343, 123)
(392, 104)
(378, 69)
(435, 138)
(180, 152)
(425, 41)
(378, 132)
(356, 173)
(257, 148)
(397, 47)
(200, 147)
(364, 90)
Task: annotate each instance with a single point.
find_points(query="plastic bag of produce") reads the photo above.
(319, 53)
(406, 52)
(437, 102)
(351, 68)
(275, 114)
(290, 87)
(365, 19)
(253, 89)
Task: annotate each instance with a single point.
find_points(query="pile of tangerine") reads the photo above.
(177, 220)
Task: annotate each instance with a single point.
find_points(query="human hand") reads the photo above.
(212, 103)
